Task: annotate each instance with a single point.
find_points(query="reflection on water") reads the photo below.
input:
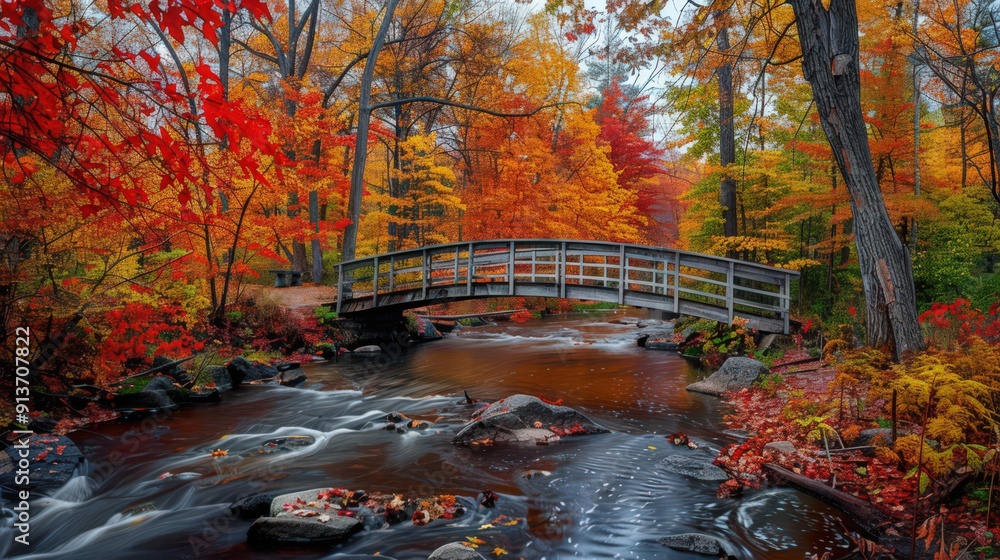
(156, 489)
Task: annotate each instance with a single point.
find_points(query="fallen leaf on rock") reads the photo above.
(486, 526)
(324, 518)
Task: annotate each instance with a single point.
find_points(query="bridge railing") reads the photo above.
(702, 285)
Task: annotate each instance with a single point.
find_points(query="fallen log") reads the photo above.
(159, 368)
(869, 517)
(799, 362)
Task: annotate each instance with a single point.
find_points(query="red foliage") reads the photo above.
(521, 317)
(635, 159)
(964, 321)
(48, 102)
(575, 429)
(139, 331)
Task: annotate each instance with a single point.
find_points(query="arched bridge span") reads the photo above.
(652, 277)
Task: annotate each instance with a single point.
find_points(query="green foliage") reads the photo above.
(594, 306)
(134, 385)
(770, 383)
(770, 356)
(949, 264)
(324, 314)
(816, 427)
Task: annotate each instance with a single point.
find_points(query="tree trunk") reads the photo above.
(361, 141)
(829, 39)
(727, 135)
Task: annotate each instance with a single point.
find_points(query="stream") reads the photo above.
(606, 495)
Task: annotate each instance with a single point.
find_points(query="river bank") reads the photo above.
(604, 495)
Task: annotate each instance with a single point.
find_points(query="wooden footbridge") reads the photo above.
(656, 278)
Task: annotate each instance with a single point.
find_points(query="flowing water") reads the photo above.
(606, 495)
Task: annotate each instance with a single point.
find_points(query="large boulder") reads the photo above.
(242, 371)
(159, 383)
(278, 502)
(525, 418)
(735, 374)
(874, 436)
(161, 362)
(700, 468)
(292, 378)
(52, 462)
(318, 530)
(425, 330)
(203, 396)
(252, 507)
(287, 443)
(156, 395)
(455, 551)
(661, 344)
(220, 376)
(701, 544)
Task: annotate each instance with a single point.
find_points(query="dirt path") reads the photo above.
(295, 297)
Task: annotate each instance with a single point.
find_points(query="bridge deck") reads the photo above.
(657, 278)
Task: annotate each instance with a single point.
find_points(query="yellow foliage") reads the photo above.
(962, 401)
(834, 346)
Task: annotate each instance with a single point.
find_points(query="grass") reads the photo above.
(594, 306)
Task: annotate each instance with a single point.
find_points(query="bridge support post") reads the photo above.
(425, 275)
(677, 282)
(730, 291)
(510, 271)
(622, 271)
(561, 270)
(786, 302)
(469, 271)
(375, 285)
(340, 286)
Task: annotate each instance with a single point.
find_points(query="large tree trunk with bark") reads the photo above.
(727, 134)
(829, 39)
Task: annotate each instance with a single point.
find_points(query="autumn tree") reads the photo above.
(830, 62)
(960, 44)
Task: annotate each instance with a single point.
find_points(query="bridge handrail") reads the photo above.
(557, 267)
(419, 250)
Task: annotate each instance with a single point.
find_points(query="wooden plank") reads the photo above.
(775, 295)
(712, 264)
